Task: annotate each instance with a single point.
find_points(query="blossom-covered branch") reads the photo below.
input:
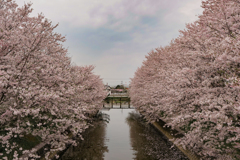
(193, 83)
(41, 93)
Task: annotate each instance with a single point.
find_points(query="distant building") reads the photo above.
(107, 87)
(117, 89)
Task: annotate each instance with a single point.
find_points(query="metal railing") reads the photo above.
(118, 95)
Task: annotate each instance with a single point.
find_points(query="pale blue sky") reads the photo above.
(115, 35)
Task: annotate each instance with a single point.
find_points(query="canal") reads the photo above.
(122, 135)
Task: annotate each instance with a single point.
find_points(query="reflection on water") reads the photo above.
(117, 136)
(148, 143)
(125, 137)
(92, 147)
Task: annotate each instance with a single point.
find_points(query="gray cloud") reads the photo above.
(115, 35)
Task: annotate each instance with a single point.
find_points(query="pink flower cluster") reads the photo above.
(193, 83)
(41, 92)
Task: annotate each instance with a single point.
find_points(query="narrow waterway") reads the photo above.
(123, 135)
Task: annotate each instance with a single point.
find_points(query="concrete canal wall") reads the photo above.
(170, 135)
(167, 133)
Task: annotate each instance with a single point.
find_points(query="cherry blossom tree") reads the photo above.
(41, 93)
(193, 83)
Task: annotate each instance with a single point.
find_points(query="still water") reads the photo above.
(122, 136)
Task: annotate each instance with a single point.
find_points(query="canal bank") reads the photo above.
(167, 133)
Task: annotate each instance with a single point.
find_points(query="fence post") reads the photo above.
(120, 103)
(112, 103)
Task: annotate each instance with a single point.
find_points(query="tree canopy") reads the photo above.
(193, 83)
(41, 92)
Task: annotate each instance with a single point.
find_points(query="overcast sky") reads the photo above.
(115, 35)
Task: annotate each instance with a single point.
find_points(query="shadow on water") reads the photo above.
(126, 136)
(148, 143)
(93, 146)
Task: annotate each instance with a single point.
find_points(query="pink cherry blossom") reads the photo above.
(41, 92)
(193, 83)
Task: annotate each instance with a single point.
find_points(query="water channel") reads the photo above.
(123, 135)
